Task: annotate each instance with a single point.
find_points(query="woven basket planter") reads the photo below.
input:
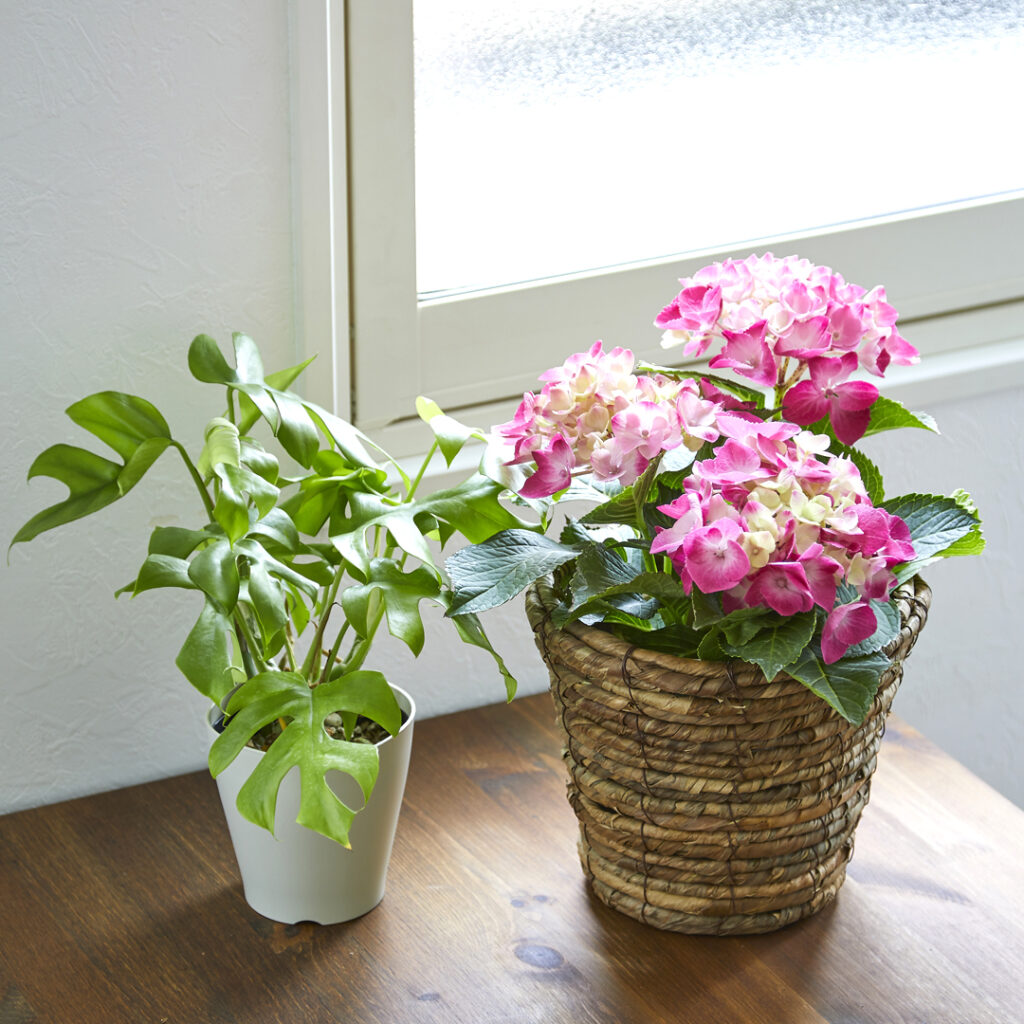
(709, 800)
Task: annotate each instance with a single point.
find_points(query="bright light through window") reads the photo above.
(555, 137)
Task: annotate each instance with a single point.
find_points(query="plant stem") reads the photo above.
(333, 655)
(196, 479)
(419, 476)
(231, 405)
(246, 644)
(318, 638)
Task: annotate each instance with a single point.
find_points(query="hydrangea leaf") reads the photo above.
(492, 572)
(775, 647)
(849, 685)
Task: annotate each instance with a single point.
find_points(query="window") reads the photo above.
(955, 269)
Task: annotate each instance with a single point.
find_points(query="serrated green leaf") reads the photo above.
(887, 617)
(674, 639)
(597, 569)
(888, 414)
(490, 573)
(848, 686)
(776, 646)
(936, 524)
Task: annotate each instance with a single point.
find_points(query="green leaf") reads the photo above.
(206, 362)
(248, 364)
(665, 589)
(470, 631)
(203, 658)
(472, 508)
(161, 571)
(296, 430)
(777, 646)
(139, 462)
(121, 421)
(936, 524)
(888, 414)
(490, 573)
(848, 686)
(277, 526)
(305, 744)
(401, 593)
(268, 601)
(597, 570)
(675, 639)
(215, 571)
(280, 379)
(972, 543)
(221, 446)
(175, 541)
(450, 433)
(91, 480)
(627, 506)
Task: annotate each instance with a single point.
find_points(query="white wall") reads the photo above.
(144, 196)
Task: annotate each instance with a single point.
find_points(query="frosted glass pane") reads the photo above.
(562, 136)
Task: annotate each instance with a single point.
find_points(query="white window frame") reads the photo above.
(956, 273)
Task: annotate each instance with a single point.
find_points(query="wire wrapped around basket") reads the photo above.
(710, 801)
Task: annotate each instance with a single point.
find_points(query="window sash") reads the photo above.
(478, 349)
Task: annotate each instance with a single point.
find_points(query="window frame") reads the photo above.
(451, 347)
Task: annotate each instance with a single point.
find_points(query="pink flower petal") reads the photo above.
(804, 403)
(783, 587)
(714, 560)
(845, 626)
(554, 465)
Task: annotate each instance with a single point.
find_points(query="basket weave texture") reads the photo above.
(710, 801)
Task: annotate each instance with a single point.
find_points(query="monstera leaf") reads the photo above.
(129, 425)
(305, 744)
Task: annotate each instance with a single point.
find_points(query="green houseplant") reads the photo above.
(294, 569)
(725, 625)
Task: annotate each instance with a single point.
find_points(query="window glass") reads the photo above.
(555, 137)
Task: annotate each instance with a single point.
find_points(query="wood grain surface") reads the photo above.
(126, 907)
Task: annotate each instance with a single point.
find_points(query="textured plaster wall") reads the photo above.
(962, 682)
(144, 196)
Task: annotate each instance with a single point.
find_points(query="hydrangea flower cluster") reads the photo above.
(782, 318)
(594, 414)
(774, 520)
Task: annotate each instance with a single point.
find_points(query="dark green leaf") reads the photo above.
(936, 524)
(488, 574)
(777, 646)
(848, 686)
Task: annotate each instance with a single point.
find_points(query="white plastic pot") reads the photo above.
(300, 875)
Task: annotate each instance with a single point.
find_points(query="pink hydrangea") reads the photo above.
(779, 319)
(773, 520)
(595, 415)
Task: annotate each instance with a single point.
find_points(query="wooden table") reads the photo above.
(127, 907)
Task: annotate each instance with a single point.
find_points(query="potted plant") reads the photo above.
(725, 627)
(294, 572)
